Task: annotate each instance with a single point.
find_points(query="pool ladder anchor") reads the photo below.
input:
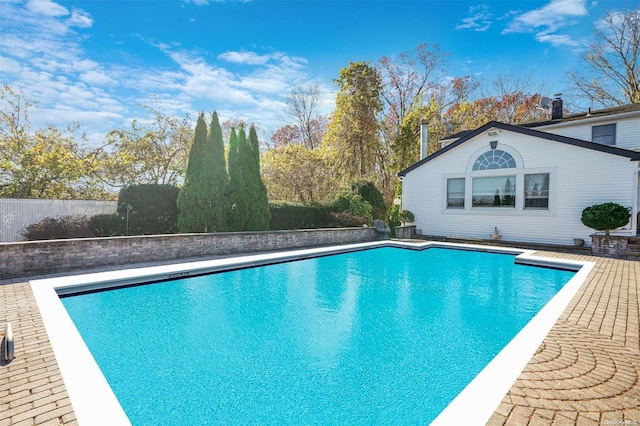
(7, 344)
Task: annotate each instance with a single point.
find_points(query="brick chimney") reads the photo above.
(556, 107)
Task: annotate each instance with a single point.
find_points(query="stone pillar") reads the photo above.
(405, 232)
(612, 246)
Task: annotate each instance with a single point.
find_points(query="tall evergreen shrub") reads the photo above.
(151, 208)
(220, 188)
(250, 210)
(195, 198)
(261, 215)
(237, 207)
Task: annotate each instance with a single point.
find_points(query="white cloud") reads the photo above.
(80, 18)
(47, 7)
(9, 66)
(557, 39)
(480, 19)
(253, 86)
(85, 65)
(555, 15)
(547, 20)
(248, 58)
(205, 81)
(97, 78)
(45, 57)
(43, 51)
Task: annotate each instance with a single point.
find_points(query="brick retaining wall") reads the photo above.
(31, 258)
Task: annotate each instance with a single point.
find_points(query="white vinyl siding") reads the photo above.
(578, 178)
(627, 134)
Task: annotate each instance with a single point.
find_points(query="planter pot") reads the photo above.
(578, 242)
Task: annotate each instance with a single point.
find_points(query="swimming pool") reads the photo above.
(348, 337)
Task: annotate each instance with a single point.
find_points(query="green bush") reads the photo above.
(107, 225)
(299, 216)
(369, 193)
(350, 202)
(394, 211)
(312, 216)
(52, 228)
(406, 216)
(152, 208)
(605, 217)
(346, 220)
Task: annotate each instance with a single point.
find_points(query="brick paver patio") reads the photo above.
(586, 372)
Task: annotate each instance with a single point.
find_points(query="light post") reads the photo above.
(129, 208)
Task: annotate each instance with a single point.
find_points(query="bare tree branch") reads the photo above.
(301, 105)
(612, 74)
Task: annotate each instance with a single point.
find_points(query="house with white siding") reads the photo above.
(530, 181)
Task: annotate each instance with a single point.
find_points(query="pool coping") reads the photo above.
(100, 406)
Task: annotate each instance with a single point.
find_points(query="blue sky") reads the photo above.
(96, 61)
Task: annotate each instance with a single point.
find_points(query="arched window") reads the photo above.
(494, 159)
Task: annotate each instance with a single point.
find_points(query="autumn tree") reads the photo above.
(43, 163)
(510, 98)
(195, 198)
(517, 98)
(288, 134)
(407, 78)
(152, 150)
(354, 132)
(302, 103)
(611, 75)
(294, 173)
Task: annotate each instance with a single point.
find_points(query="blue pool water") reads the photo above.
(382, 336)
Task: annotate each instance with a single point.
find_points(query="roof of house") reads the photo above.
(590, 114)
(632, 155)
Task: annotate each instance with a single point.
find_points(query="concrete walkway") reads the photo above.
(586, 372)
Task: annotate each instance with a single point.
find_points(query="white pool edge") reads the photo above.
(481, 397)
(94, 402)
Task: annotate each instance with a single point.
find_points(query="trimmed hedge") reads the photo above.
(152, 208)
(286, 216)
(54, 228)
(108, 225)
(299, 216)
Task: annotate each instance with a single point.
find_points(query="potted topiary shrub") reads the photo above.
(605, 217)
(405, 217)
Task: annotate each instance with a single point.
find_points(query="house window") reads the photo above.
(536, 191)
(605, 134)
(494, 159)
(455, 193)
(496, 191)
